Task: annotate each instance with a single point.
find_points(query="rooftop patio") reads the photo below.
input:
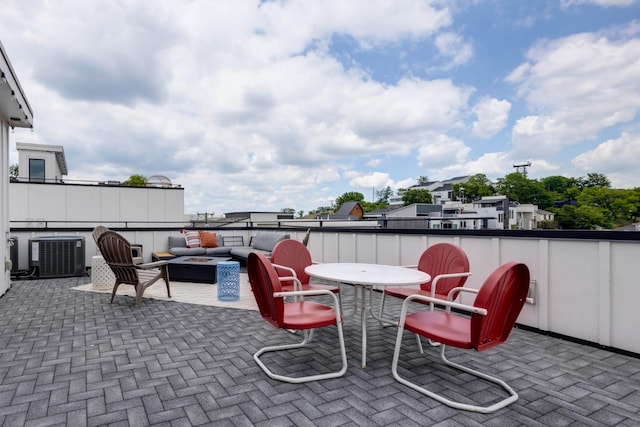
(70, 358)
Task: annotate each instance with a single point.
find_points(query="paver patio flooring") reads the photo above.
(70, 358)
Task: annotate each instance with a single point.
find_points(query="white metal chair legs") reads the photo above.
(308, 334)
(513, 396)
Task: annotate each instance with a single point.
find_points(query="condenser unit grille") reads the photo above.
(57, 257)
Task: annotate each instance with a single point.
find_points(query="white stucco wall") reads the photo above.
(4, 206)
(14, 112)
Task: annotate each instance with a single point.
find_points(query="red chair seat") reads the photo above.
(311, 287)
(307, 315)
(440, 326)
(405, 292)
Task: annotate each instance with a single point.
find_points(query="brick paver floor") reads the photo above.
(71, 358)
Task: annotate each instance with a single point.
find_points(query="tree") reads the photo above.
(14, 171)
(416, 195)
(350, 196)
(474, 189)
(423, 180)
(558, 184)
(581, 217)
(518, 187)
(597, 180)
(136, 181)
(384, 195)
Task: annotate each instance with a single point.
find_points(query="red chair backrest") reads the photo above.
(292, 254)
(264, 282)
(443, 258)
(503, 294)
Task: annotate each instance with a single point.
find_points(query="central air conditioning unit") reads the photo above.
(57, 256)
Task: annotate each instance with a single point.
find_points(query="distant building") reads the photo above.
(441, 191)
(486, 213)
(41, 162)
(349, 210)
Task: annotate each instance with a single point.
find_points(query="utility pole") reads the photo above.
(522, 167)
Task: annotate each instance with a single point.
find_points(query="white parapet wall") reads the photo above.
(585, 289)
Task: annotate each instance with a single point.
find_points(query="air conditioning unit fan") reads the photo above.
(57, 256)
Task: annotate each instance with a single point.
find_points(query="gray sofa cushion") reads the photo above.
(187, 251)
(242, 252)
(266, 241)
(219, 251)
(177, 242)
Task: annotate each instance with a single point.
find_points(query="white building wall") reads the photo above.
(5, 278)
(36, 205)
(36, 202)
(14, 112)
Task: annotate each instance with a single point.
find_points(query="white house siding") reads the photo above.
(4, 205)
(14, 112)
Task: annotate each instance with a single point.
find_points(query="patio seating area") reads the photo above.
(70, 358)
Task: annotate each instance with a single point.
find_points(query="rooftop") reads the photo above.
(71, 358)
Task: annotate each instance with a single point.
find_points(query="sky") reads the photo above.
(268, 105)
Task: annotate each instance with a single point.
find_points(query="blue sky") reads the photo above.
(268, 105)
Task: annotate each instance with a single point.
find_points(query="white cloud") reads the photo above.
(454, 49)
(492, 116)
(440, 150)
(613, 155)
(576, 86)
(253, 105)
(603, 3)
(493, 165)
(375, 180)
(374, 163)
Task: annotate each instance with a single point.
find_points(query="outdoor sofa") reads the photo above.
(221, 246)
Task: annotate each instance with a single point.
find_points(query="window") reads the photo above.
(36, 170)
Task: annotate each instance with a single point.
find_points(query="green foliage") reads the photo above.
(423, 180)
(582, 217)
(14, 171)
(589, 202)
(474, 189)
(384, 195)
(416, 195)
(595, 180)
(519, 187)
(350, 196)
(136, 181)
(370, 207)
(548, 225)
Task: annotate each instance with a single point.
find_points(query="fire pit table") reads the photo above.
(198, 269)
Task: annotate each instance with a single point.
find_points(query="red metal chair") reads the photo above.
(298, 315)
(290, 258)
(448, 266)
(492, 317)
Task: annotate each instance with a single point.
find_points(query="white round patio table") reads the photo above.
(365, 277)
